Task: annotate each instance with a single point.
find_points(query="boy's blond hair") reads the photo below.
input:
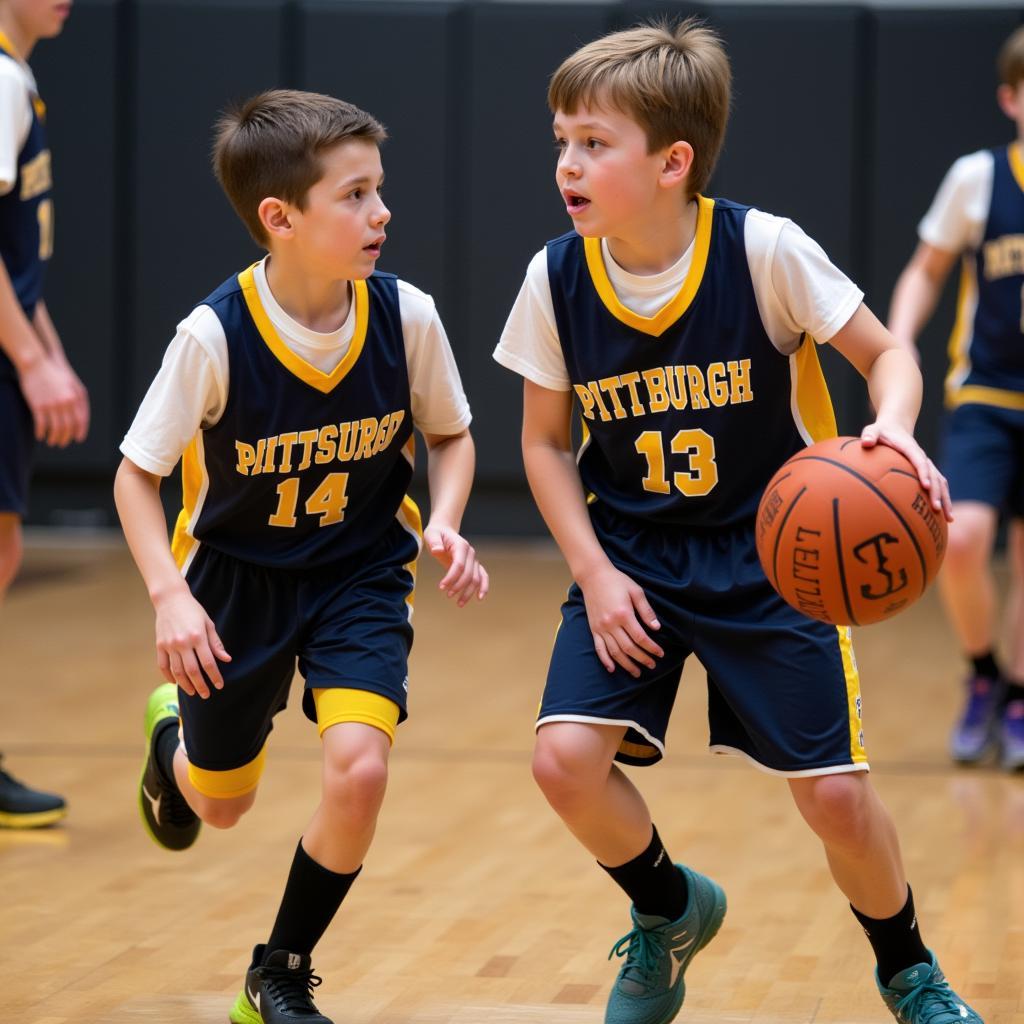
(673, 80)
(271, 145)
(1010, 62)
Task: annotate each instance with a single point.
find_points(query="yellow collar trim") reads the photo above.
(676, 306)
(9, 47)
(295, 364)
(1017, 164)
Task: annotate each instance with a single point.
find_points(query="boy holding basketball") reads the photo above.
(978, 215)
(685, 328)
(290, 394)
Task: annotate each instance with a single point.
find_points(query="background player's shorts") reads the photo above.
(983, 456)
(347, 624)
(782, 689)
(16, 443)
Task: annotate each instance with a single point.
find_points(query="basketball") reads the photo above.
(847, 535)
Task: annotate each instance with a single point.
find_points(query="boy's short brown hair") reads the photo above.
(1010, 62)
(270, 145)
(673, 80)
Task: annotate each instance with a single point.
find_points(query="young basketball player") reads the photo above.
(292, 392)
(41, 398)
(978, 214)
(683, 330)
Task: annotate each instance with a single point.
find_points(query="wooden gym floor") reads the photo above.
(475, 905)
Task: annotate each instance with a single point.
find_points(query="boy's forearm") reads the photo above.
(18, 338)
(137, 496)
(913, 301)
(895, 386)
(47, 333)
(555, 483)
(451, 462)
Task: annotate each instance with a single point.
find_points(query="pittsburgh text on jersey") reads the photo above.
(296, 450)
(654, 390)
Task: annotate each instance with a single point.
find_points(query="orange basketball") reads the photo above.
(847, 535)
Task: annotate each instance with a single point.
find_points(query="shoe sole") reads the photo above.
(243, 1012)
(153, 716)
(36, 819)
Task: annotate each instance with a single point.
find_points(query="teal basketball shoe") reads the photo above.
(650, 987)
(921, 995)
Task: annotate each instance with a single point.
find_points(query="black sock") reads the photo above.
(311, 899)
(985, 666)
(165, 744)
(1014, 691)
(895, 940)
(653, 882)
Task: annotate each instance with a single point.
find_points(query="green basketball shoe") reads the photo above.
(921, 995)
(167, 817)
(650, 987)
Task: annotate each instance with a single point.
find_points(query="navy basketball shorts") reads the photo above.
(983, 456)
(783, 689)
(18, 433)
(348, 627)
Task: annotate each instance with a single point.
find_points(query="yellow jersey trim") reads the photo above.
(409, 516)
(979, 394)
(9, 47)
(232, 783)
(337, 705)
(858, 755)
(1016, 164)
(192, 478)
(812, 398)
(959, 344)
(324, 382)
(676, 306)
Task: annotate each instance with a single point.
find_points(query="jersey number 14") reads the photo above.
(328, 501)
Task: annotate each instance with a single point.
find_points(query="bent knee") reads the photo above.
(224, 813)
(358, 783)
(564, 773)
(969, 543)
(837, 807)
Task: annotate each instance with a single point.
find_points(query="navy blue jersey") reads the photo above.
(303, 467)
(26, 212)
(987, 345)
(687, 414)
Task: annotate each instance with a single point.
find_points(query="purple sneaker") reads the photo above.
(1013, 736)
(976, 734)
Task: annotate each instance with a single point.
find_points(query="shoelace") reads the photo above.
(643, 951)
(930, 1003)
(176, 809)
(291, 990)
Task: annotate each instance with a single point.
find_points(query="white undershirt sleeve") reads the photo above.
(529, 343)
(956, 219)
(188, 393)
(15, 121)
(439, 404)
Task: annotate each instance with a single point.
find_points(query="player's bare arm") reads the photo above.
(617, 609)
(451, 459)
(917, 292)
(186, 638)
(50, 388)
(894, 385)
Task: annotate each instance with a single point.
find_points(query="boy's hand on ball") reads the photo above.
(902, 440)
(465, 576)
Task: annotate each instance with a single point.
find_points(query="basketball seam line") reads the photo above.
(880, 494)
(778, 535)
(842, 565)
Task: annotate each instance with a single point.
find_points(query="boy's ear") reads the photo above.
(677, 164)
(1006, 95)
(274, 217)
